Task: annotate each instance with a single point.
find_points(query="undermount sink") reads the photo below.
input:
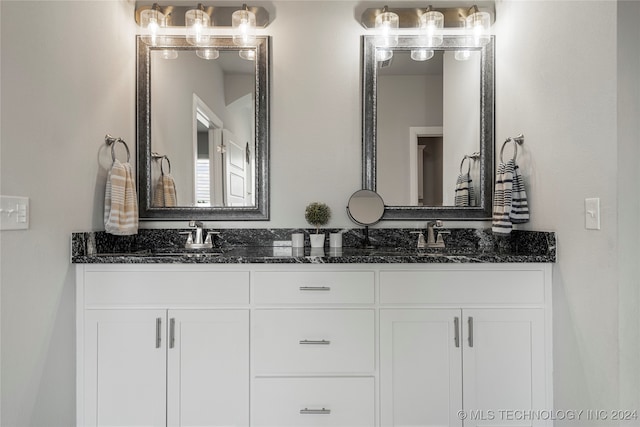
(160, 253)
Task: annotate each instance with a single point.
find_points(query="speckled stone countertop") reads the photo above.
(255, 246)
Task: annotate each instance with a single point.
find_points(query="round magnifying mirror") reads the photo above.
(365, 207)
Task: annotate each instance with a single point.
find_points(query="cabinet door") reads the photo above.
(208, 368)
(125, 368)
(503, 364)
(420, 368)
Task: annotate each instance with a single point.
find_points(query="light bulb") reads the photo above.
(432, 23)
(387, 25)
(244, 24)
(152, 20)
(421, 54)
(478, 24)
(208, 53)
(197, 22)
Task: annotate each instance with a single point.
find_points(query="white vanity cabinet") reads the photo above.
(313, 348)
(342, 345)
(460, 348)
(154, 350)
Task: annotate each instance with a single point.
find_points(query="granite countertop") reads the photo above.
(255, 246)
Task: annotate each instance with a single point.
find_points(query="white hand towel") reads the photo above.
(120, 201)
(165, 194)
(519, 205)
(464, 194)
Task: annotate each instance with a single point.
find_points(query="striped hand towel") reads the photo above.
(120, 201)
(165, 194)
(510, 204)
(464, 195)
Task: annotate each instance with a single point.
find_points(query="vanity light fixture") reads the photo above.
(386, 24)
(431, 25)
(197, 22)
(152, 20)
(478, 24)
(243, 22)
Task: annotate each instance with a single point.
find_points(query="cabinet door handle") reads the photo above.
(470, 331)
(315, 288)
(158, 332)
(172, 332)
(456, 326)
(307, 411)
(315, 342)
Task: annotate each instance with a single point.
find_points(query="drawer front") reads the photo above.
(462, 287)
(321, 287)
(165, 288)
(313, 341)
(301, 402)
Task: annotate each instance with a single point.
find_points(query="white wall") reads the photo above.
(67, 83)
(629, 202)
(556, 83)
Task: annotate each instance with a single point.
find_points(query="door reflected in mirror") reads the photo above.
(428, 120)
(423, 114)
(204, 124)
(207, 111)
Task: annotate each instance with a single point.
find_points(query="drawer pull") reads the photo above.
(172, 332)
(315, 288)
(158, 332)
(315, 342)
(456, 326)
(470, 331)
(307, 411)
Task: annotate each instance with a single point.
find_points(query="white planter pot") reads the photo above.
(317, 240)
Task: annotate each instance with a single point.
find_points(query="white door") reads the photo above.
(208, 368)
(503, 365)
(420, 368)
(125, 370)
(235, 172)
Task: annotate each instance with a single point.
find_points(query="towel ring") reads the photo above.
(110, 140)
(468, 164)
(469, 157)
(162, 164)
(518, 140)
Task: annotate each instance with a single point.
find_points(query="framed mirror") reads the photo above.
(428, 128)
(203, 130)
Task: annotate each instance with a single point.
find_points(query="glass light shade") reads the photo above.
(386, 26)
(152, 20)
(248, 54)
(168, 54)
(244, 27)
(208, 53)
(383, 54)
(431, 24)
(462, 55)
(421, 54)
(478, 25)
(197, 22)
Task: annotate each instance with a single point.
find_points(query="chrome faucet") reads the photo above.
(194, 240)
(433, 240)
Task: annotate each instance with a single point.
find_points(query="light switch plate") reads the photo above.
(592, 213)
(14, 213)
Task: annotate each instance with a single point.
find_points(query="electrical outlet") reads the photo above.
(592, 213)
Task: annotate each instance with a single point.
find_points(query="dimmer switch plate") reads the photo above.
(592, 213)
(14, 213)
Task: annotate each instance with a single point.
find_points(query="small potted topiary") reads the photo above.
(317, 214)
